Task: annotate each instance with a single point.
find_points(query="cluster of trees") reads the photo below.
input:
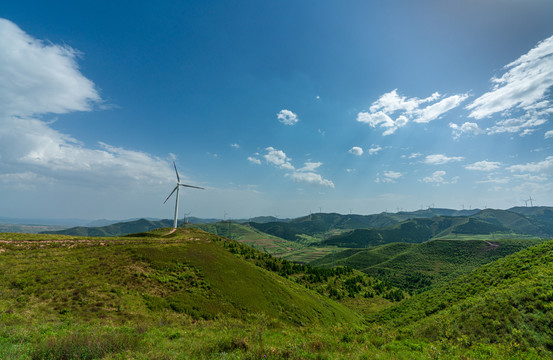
(336, 282)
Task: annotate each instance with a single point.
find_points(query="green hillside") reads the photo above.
(250, 236)
(509, 301)
(418, 266)
(190, 272)
(117, 229)
(195, 295)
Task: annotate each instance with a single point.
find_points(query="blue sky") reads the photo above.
(276, 108)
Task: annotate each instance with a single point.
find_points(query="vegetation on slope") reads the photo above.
(190, 272)
(414, 267)
(509, 301)
(68, 297)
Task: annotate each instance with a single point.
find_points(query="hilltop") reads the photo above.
(188, 271)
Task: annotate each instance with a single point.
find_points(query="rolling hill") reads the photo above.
(417, 230)
(187, 272)
(415, 267)
(509, 301)
(537, 221)
(191, 294)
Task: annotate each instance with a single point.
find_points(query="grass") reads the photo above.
(193, 295)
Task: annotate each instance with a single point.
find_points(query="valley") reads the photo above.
(321, 287)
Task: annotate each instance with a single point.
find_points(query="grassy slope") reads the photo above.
(417, 266)
(135, 278)
(509, 301)
(49, 309)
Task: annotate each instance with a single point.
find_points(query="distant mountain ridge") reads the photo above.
(369, 230)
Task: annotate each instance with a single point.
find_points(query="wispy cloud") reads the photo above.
(548, 134)
(254, 160)
(523, 85)
(484, 165)
(434, 111)
(520, 94)
(44, 78)
(540, 166)
(407, 109)
(440, 159)
(390, 176)
(287, 117)
(374, 149)
(356, 150)
(310, 166)
(236, 146)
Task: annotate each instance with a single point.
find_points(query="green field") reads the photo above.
(195, 295)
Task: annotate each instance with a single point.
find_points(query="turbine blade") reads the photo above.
(175, 189)
(190, 186)
(178, 178)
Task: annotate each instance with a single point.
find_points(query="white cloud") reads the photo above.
(356, 150)
(374, 149)
(414, 155)
(392, 102)
(483, 165)
(440, 159)
(382, 119)
(236, 146)
(278, 158)
(434, 111)
(494, 180)
(391, 176)
(466, 128)
(523, 125)
(437, 178)
(381, 111)
(310, 166)
(306, 174)
(310, 178)
(287, 117)
(549, 134)
(254, 160)
(533, 166)
(530, 177)
(38, 78)
(524, 84)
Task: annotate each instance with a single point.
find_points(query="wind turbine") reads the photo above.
(531, 201)
(179, 184)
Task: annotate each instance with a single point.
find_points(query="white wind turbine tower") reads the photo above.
(179, 184)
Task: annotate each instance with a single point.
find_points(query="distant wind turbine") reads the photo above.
(531, 201)
(179, 184)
